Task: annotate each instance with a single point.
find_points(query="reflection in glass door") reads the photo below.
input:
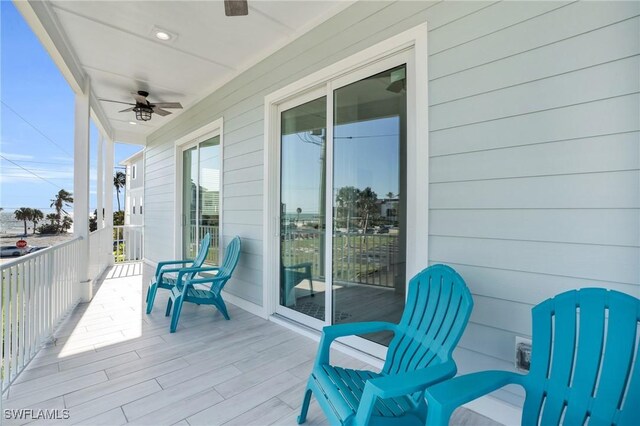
(201, 198)
(362, 159)
(302, 208)
(369, 158)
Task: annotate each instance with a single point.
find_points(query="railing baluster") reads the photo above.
(23, 319)
(6, 320)
(14, 322)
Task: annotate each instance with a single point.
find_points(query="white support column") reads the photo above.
(100, 183)
(81, 188)
(108, 188)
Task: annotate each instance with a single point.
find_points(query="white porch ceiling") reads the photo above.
(114, 44)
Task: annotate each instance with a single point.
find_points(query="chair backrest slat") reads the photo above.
(584, 365)
(438, 308)
(202, 252)
(561, 358)
(591, 343)
(618, 355)
(231, 256)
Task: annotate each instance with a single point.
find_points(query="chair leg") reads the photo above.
(311, 287)
(151, 296)
(169, 304)
(305, 406)
(222, 308)
(176, 314)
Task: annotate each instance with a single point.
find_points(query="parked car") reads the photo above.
(35, 249)
(7, 251)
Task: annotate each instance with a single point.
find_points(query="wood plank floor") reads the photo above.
(112, 364)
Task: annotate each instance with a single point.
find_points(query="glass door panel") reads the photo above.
(189, 202)
(209, 196)
(302, 208)
(369, 181)
(201, 198)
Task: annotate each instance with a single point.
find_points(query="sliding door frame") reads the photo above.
(213, 129)
(411, 46)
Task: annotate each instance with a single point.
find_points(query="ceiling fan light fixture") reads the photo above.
(143, 113)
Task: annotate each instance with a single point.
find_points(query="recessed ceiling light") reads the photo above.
(133, 123)
(161, 35)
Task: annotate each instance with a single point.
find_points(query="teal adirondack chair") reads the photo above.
(436, 313)
(161, 280)
(291, 276)
(584, 365)
(184, 290)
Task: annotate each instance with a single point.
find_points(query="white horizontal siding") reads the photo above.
(534, 172)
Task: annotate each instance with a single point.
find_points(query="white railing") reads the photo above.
(128, 243)
(100, 251)
(38, 290)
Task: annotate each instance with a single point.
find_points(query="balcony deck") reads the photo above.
(112, 364)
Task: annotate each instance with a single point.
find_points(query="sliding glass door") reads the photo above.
(201, 197)
(343, 201)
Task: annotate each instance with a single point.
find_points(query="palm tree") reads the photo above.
(119, 181)
(389, 195)
(52, 217)
(66, 224)
(298, 210)
(346, 201)
(24, 214)
(62, 199)
(368, 205)
(36, 216)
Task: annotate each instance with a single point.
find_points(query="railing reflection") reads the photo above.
(371, 259)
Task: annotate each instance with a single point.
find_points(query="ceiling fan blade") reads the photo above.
(116, 102)
(127, 110)
(168, 104)
(236, 7)
(161, 112)
(140, 99)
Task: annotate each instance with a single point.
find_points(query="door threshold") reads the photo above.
(338, 345)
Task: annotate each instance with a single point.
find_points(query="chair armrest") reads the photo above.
(306, 265)
(332, 332)
(445, 397)
(184, 271)
(171, 262)
(395, 385)
(411, 382)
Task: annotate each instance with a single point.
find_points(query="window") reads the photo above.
(134, 205)
(133, 171)
(140, 205)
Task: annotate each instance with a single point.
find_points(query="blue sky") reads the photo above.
(36, 121)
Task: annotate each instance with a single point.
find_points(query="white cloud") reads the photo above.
(17, 157)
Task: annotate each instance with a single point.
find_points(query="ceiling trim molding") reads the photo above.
(44, 23)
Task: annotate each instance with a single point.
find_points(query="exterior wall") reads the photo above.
(534, 140)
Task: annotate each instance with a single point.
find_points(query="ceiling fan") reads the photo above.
(236, 7)
(143, 108)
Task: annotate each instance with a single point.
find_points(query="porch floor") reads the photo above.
(112, 364)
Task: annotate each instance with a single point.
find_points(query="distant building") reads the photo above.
(389, 209)
(134, 190)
